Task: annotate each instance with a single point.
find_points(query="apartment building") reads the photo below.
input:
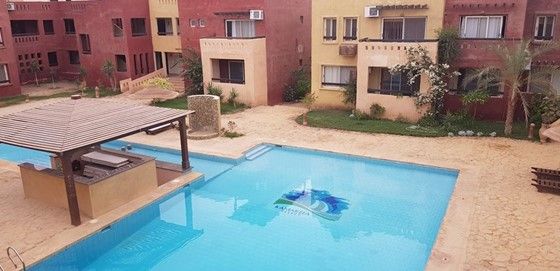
(485, 23)
(251, 46)
(9, 76)
(358, 40)
(166, 35)
(61, 37)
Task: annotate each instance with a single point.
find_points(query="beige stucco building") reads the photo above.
(166, 31)
(355, 40)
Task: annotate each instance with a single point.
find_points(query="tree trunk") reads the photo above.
(510, 111)
(36, 80)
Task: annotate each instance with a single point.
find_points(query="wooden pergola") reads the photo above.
(65, 127)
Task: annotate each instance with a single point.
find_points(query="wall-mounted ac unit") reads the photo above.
(11, 6)
(257, 15)
(371, 12)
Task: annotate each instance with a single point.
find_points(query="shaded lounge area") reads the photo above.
(84, 177)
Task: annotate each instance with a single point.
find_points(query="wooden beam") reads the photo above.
(185, 163)
(73, 207)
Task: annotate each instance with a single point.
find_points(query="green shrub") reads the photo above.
(448, 45)
(429, 121)
(360, 115)
(457, 121)
(192, 72)
(474, 99)
(299, 86)
(544, 109)
(376, 111)
(350, 92)
(214, 90)
(233, 95)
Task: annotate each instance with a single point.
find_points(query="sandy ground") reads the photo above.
(495, 221)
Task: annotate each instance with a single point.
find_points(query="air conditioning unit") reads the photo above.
(11, 6)
(371, 12)
(257, 15)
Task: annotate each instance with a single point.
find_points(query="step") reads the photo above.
(257, 152)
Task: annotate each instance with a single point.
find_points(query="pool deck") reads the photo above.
(495, 221)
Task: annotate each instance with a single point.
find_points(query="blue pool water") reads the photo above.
(289, 209)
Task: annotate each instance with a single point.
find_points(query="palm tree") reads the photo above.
(511, 73)
(108, 69)
(35, 68)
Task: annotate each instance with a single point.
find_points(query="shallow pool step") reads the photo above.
(257, 152)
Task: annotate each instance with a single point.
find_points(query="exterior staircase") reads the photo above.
(178, 83)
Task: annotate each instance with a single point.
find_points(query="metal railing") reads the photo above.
(11, 250)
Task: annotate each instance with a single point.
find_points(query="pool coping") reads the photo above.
(445, 255)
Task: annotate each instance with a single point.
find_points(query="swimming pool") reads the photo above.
(289, 209)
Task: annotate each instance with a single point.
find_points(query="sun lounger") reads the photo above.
(159, 129)
(105, 159)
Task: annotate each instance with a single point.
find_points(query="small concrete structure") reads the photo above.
(206, 122)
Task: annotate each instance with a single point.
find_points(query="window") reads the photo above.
(544, 27)
(201, 23)
(350, 28)
(53, 59)
(24, 27)
(329, 29)
(4, 76)
(397, 84)
(482, 27)
(86, 46)
(178, 26)
(74, 57)
(69, 26)
(48, 27)
(121, 63)
(240, 28)
(337, 75)
(228, 71)
(117, 27)
(493, 88)
(404, 29)
(1, 38)
(193, 22)
(164, 26)
(138, 26)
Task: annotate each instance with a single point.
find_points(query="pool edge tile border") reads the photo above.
(66, 239)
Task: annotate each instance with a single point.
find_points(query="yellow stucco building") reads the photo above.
(358, 40)
(166, 31)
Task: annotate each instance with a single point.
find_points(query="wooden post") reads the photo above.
(66, 159)
(185, 163)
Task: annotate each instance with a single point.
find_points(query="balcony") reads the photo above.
(382, 53)
(236, 63)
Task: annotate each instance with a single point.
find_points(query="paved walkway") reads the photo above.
(495, 221)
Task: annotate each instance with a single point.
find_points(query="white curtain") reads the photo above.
(331, 74)
(494, 27)
(243, 29)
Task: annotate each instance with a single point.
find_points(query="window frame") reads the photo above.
(232, 28)
(354, 20)
(138, 34)
(1, 38)
(461, 89)
(165, 21)
(6, 74)
(403, 21)
(229, 79)
(85, 43)
(66, 26)
(330, 85)
(464, 24)
(49, 59)
(70, 57)
(45, 29)
(333, 22)
(117, 66)
(116, 26)
(536, 35)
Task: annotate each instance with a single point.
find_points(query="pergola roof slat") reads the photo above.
(74, 124)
